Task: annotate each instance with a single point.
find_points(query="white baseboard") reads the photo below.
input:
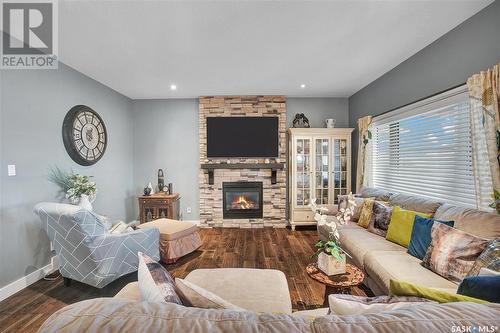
(29, 279)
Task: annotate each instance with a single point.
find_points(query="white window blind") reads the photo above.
(425, 149)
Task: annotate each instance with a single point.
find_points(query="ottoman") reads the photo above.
(177, 238)
(257, 290)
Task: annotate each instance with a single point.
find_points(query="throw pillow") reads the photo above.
(366, 212)
(199, 297)
(401, 225)
(91, 223)
(483, 287)
(358, 305)
(381, 216)
(357, 209)
(421, 236)
(402, 288)
(155, 283)
(105, 220)
(120, 228)
(452, 252)
(490, 258)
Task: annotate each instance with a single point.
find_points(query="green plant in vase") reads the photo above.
(78, 189)
(331, 256)
(329, 247)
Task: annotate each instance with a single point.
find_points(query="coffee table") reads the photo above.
(337, 284)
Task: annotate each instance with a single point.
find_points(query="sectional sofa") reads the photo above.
(382, 260)
(264, 295)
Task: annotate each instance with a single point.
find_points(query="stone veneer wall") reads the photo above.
(211, 195)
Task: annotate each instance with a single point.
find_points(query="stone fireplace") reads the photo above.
(242, 192)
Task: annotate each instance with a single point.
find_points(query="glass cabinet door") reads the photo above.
(303, 171)
(149, 214)
(321, 170)
(340, 168)
(162, 213)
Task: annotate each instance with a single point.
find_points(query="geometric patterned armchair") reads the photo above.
(87, 251)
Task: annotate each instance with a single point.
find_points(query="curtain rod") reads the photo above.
(421, 99)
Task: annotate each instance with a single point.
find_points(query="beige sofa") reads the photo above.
(264, 293)
(382, 260)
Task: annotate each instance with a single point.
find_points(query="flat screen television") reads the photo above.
(242, 137)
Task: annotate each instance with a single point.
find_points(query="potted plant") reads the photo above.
(78, 189)
(331, 257)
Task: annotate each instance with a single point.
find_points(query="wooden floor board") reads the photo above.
(281, 249)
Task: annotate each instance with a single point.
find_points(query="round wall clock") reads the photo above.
(84, 135)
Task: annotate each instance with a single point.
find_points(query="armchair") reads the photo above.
(87, 252)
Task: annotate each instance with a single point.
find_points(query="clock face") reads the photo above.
(84, 135)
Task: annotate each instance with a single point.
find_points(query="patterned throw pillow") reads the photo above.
(381, 216)
(155, 283)
(366, 212)
(452, 252)
(490, 258)
(346, 305)
(357, 209)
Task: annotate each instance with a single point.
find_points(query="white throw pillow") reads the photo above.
(199, 297)
(311, 314)
(155, 283)
(356, 305)
(120, 228)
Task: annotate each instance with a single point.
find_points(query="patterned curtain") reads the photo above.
(363, 170)
(484, 91)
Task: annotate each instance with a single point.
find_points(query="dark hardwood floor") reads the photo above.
(281, 249)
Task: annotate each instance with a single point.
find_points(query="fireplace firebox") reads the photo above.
(242, 200)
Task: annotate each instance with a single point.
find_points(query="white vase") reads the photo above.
(330, 123)
(330, 265)
(151, 187)
(85, 202)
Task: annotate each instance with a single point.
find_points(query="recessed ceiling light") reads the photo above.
(173, 87)
(302, 85)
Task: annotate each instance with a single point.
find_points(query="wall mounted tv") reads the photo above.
(242, 137)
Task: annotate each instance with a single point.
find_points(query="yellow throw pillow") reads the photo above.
(401, 225)
(402, 288)
(366, 213)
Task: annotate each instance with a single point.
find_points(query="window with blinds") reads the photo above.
(425, 149)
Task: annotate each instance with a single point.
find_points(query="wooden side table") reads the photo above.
(159, 205)
(336, 284)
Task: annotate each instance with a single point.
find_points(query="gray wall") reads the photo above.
(144, 135)
(33, 106)
(471, 47)
(166, 137)
(318, 109)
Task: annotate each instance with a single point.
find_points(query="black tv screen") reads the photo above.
(242, 137)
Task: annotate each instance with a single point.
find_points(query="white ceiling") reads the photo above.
(140, 48)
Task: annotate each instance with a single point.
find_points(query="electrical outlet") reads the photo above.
(188, 210)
